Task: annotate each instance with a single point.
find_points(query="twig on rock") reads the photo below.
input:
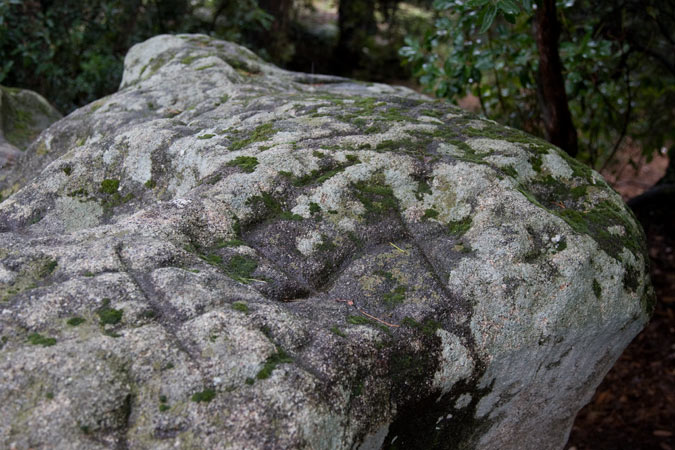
(398, 248)
(370, 316)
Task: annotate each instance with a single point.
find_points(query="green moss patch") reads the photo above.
(395, 146)
(596, 222)
(272, 207)
(110, 186)
(116, 199)
(38, 339)
(316, 176)
(423, 188)
(319, 176)
(280, 357)
(510, 171)
(222, 243)
(30, 276)
(396, 296)
(327, 244)
(108, 315)
(241, 268)
(459, 227)
(430, 213)
(245, 163)
(359, 320)
(536, 163)
(337, 331)
(427, 327)
(48, 268)
(75, 321)
(597, 289)
(240, 306)
(314, 208)
(376, 197)
(260, 133)
(204, 396)
(187, 60)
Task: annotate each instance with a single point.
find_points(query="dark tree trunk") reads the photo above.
(356, 21)
(556, 115)
(281, 10)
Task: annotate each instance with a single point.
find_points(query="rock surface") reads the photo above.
(23, 116)
(227, 255)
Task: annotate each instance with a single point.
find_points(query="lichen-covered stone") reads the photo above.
(224, 254)
(23, 116)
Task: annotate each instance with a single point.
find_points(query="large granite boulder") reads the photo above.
(23, 116)
(224, 254)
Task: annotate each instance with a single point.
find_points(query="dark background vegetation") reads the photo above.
(596, 78)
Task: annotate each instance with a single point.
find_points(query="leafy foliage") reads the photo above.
(620, 77)
(73, 52)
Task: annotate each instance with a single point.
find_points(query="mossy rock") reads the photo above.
(228, 254)
(23, 116)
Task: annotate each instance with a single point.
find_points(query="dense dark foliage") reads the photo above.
(72, 52)
(599, 73)
(618, 67)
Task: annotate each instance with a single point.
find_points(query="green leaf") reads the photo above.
(441, 5)
(510, 18)
(487, 16)
(527, 5)
(476, 3)
(508, 6)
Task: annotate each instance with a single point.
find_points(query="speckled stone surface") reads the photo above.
(23, 116)
(224, 254)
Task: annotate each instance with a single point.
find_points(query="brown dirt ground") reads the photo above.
(634, 407)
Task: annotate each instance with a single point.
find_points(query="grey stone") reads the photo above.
(224, 254)
(23, 116)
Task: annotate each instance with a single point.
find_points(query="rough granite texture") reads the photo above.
(206, 259)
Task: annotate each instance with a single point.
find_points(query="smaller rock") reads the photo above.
(23, 116)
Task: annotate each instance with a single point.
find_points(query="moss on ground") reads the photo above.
(30, 276)
(272, 207)
(110, 186)
(396, 296)
(260, 133)
(108, 315)
(430, 213)
(423, 189)
(597, 289)
(245, 163)
(377, 198)
(38, 339)
(75, 321)
(428, 327)
(204, 396)
(280, 357)
(459, 227)
(337, 331)
(240, 306)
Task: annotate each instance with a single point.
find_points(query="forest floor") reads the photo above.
(634, 407)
